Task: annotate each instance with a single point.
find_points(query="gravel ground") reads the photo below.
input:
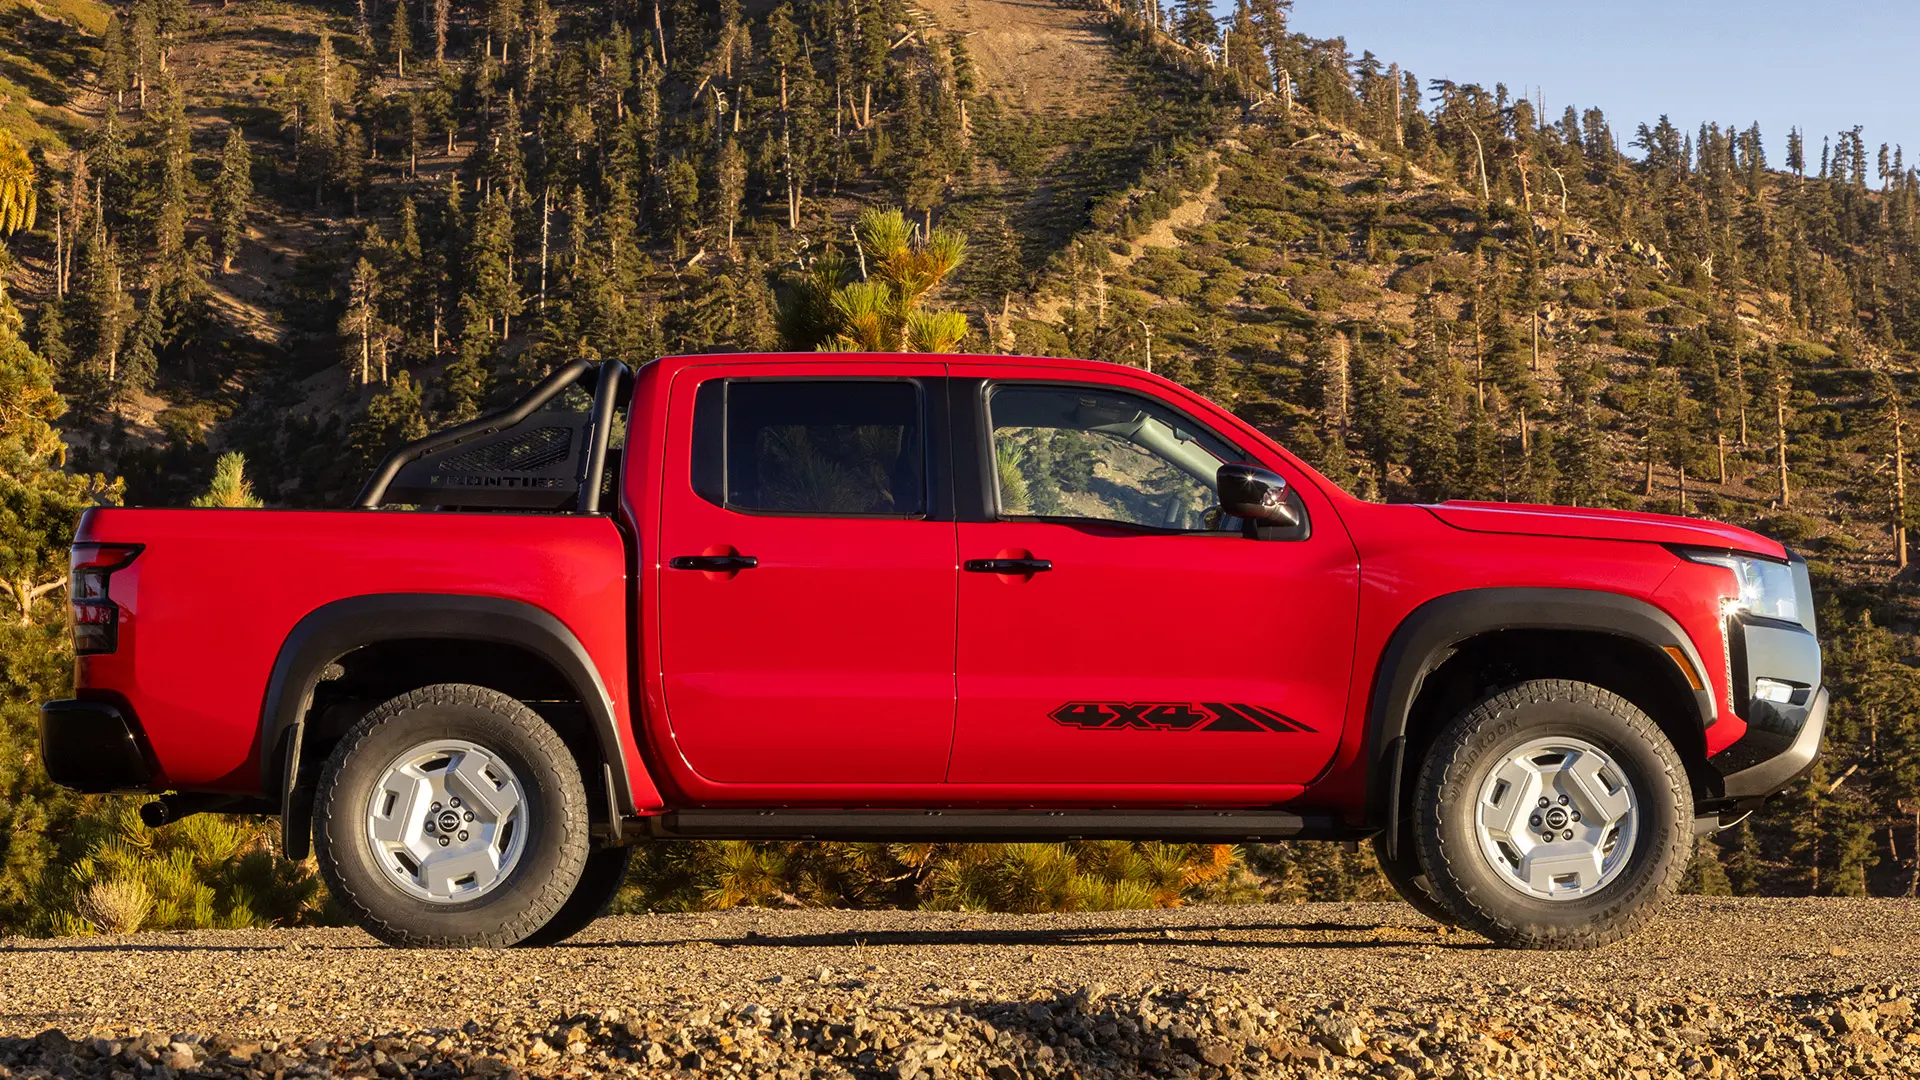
(1713, 988)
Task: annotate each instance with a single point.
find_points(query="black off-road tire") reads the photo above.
(1407, 879)
(605, 872)
(1446, 806)
(555, 844)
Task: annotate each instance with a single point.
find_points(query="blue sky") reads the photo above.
(1824, 65)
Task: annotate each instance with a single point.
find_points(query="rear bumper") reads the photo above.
(93, 746)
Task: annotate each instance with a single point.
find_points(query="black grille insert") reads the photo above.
(528, 451)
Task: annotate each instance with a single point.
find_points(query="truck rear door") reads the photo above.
(1108, 633)
(807, 581)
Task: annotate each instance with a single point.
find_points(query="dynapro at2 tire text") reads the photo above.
(1553, 815)
(452, 815)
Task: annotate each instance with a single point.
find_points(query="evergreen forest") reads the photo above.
(248, 246)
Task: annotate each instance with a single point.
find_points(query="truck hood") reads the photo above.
(1586, 524)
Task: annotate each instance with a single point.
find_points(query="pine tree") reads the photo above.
(116, 62)
(139, 365)
(489, 264)
(1434, 456)
(50, 333)
(1705, 875)
(1379, 411)
(410, 286)
(1849, 828)
(1887, 479)
(441, 11)
(319, 141)
(39, 500)
(729, 186)
(361, 328)
(468, 379)
(143, 49)
(400, 37)
(1808, 850)
(1194, 24)
(393, 417)
(1743, 866)
(1779, 391)
(232, 198)
(105, 306)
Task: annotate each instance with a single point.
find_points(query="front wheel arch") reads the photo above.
(1543, 634)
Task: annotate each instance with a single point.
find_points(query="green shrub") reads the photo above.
(1081, 876)
(1586, 293)
(204, 872)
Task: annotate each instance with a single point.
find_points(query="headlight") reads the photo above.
(1764, 588)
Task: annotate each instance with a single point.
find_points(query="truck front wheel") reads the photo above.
(451, 816)
(1553, 815)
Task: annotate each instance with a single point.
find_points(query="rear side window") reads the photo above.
(819, 447)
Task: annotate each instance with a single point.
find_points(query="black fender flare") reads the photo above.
(1429, 634)
(333, 630)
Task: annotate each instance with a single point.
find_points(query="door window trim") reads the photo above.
(988, 474)
(935, 483)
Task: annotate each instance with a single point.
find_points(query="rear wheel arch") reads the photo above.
(362, 650)
(1448, 653)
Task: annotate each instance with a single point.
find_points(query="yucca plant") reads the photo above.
(19, 194)
(900, 266)
(1015, 496)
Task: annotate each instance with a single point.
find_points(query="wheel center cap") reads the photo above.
(1557, 817)
(449, 821)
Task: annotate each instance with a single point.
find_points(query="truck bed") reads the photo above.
(214, 594)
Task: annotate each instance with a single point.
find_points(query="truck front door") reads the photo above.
(806, 581)
(1113, 629)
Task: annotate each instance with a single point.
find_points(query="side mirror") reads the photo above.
(1254, 494)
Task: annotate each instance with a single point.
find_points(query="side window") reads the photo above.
(1106, 455)
(810, 446)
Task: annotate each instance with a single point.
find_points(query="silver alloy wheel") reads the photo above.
(1556, 818)
(447, 821)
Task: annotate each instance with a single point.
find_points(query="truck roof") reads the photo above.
(687, 359)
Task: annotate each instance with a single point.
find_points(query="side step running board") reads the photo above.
(976, 826)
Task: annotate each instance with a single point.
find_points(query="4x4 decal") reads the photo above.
(1172, 716)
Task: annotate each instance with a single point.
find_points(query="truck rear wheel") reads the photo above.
(1553, 815)
(1407, 879)
(451, 816)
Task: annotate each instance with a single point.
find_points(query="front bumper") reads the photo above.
(93, 747)
(1766, 760)
(1775, 672)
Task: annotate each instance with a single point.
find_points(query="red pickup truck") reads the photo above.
(929, 598)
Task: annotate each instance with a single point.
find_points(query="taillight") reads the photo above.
(96, 618)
